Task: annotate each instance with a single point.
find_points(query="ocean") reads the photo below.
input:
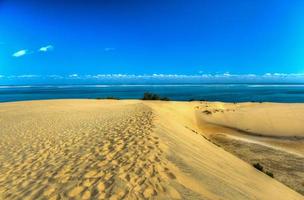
(291, 93)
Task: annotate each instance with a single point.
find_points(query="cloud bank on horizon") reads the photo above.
(155, 78)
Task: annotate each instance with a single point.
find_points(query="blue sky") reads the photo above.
(77, 39)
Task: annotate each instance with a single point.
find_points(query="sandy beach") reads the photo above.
(133, 149)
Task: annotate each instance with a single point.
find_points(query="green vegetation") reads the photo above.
(109, 97)
(269, 174)
(207, 112)
(152, 96)
(259, 167)
(197, 100)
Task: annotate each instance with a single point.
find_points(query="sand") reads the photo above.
(264, 119)
(132, 149)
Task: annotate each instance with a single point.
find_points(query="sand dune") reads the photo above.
(98, 149)
(268, 133)
(265, 119)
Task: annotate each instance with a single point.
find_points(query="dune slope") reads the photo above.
(92, 149)
(267, 133)
(210, 170)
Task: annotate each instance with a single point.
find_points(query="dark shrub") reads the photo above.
(207, 112)
(165, 99)
(258, 166)
(111, 97)
(152, 96)
(269, 174)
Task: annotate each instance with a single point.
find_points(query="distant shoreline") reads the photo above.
(280, 93)
(139, 100)
(148, 84)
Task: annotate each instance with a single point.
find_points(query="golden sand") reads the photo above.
(107, 149)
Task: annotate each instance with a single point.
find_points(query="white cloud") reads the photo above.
(54, 76)
(23, 76)
(268, 74)
(109, 49)
(178, 78)
(46, 48)
(73, 76)
(20, 53)
(28, 76)
(227, 74)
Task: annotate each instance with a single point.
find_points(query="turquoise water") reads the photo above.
(211, 92)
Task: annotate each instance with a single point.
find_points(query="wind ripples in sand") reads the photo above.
(106, 156)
